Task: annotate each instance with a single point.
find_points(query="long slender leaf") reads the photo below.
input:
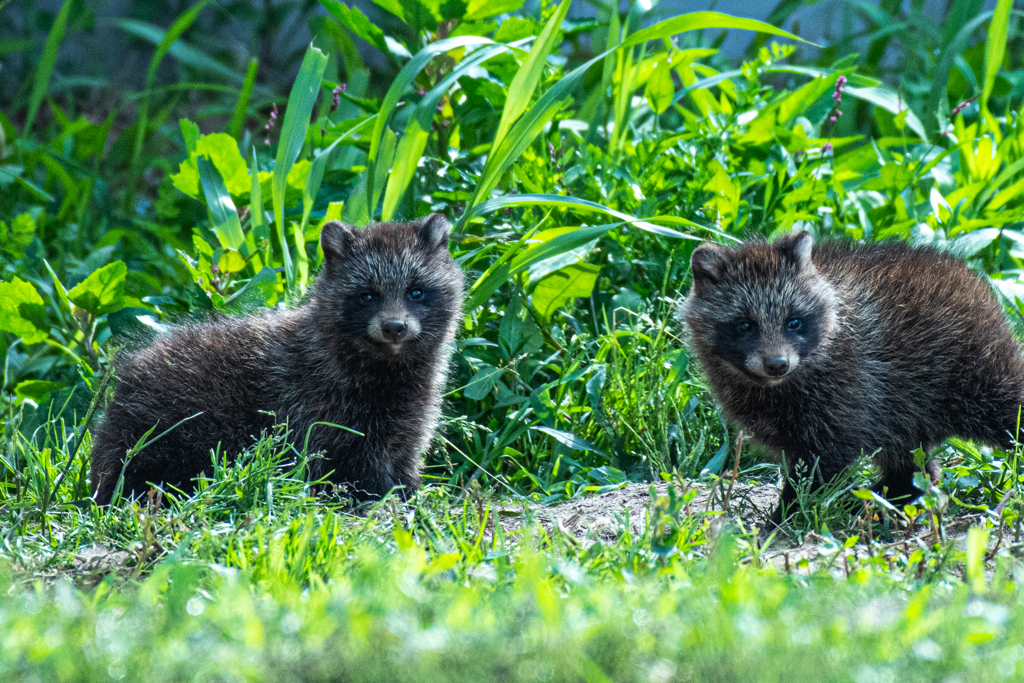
(46, 64)
(995, 48)
(223, 213)
(520, 92)
(293, 137)
(238, 117)
(576, 204)
(259, 229)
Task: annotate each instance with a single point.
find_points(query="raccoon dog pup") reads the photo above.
(824, 351)
(369, 351)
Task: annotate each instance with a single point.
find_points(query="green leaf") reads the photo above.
(520, 92)
(571, 440)
(41, 83)
(103, 291)
(560, 287)
(223, 213)
(293, 136)
(181, 51)
(482, 382)
(995, 47)
(357, 22)
(481, 9)
(230, 261)
(573, 203)
(36, 390)
(20, 306)
(259, 228)
(660, 90)
(222, 150)
(891, 102)
(14, 239)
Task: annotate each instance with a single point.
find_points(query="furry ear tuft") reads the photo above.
(798, 247)
(336, 240)
(707, 262)
(434, 231)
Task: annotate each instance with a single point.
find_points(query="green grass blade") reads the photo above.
(995, 48)
(46, 64)
(316, 173)
(520, 92)
(238, 117)
(293, 136)
(417, 131)
(223, 213)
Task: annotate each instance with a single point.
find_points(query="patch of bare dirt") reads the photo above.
(608, 516)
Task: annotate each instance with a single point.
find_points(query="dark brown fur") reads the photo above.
(896, 348)
(375, 365)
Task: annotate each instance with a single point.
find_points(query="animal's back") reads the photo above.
(212, 370)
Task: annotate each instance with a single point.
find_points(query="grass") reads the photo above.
(580, 176)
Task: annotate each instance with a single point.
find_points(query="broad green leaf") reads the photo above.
(482, 382)
(660, 90)
(223, 213)
(36, 390)
(16, 237)
(293, 136)
(222, 150)
(557, 241)
(891, 102)
(357, 22)
(103, 291)
(560, 287)
(420, 15)
(20, 306)
(259, 291)
(41, 82)
(230, 261)
(481, 9)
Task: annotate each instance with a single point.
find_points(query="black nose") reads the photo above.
(394, 330)
(776, 367)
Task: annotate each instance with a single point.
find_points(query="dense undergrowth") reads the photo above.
(581, 161)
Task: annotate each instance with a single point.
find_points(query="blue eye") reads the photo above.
(744, 327)
(416, 294)
(366, 296)
(794, 324)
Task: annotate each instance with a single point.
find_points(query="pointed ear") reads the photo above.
(798, 246)
(336, 240)
(708, 263)
(434, 230)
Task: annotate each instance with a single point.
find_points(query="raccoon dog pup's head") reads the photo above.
(390, 290)
(759, 311)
